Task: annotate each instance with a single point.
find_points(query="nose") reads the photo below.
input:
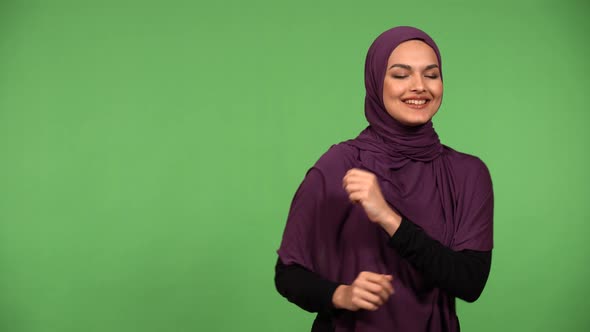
(418, 84)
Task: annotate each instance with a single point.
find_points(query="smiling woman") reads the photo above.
(387, 229)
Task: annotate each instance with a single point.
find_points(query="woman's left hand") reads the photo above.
(362, 188)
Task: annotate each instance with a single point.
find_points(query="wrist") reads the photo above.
(339, 297)
(391, 222)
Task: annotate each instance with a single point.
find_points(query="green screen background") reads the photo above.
(150, 150)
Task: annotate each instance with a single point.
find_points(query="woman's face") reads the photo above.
(412, 88)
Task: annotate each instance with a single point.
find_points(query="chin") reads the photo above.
(416, 122)
(412, 117)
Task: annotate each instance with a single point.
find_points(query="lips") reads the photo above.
(416, 103)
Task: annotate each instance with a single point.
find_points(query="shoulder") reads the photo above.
(339, 158)
(469, 168)
(465, 163)
(332, 166)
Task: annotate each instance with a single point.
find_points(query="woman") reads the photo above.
(387, 229)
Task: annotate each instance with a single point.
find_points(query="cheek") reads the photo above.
(391, 91)
(437, 89)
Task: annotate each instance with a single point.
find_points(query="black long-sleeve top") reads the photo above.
(461, 274)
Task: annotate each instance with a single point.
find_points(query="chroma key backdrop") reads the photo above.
(150, 151)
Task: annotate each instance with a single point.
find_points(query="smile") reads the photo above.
(416, 101)
(419, 103)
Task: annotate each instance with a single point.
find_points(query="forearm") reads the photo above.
(462, 274)
(305, 288)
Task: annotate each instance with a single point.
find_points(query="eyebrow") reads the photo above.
(410, 67)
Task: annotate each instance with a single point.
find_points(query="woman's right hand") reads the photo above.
(368, 291)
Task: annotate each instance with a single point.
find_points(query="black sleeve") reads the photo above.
(462, 274)
(305, 288)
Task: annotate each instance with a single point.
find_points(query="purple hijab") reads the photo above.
(445, 192)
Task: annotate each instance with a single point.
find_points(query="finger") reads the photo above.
(362, 176)
(385, 287)
(374, 277)
(353, 187)
(387, 284)
(375, 288)
(348, 178)
(365, 295)
(378, 282)
(356, 181)
(356, 174)
(386, 290)
(362, 304)
(390, 278)
(381, 279)
(350, 173)
(364, 182)
(357, 196)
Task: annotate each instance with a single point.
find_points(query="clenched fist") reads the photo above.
(362, 188)
(369, 291)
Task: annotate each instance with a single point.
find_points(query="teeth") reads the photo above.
(415, 102)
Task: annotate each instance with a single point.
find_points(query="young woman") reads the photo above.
(387, 229)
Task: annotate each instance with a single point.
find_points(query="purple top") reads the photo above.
(447, 193)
